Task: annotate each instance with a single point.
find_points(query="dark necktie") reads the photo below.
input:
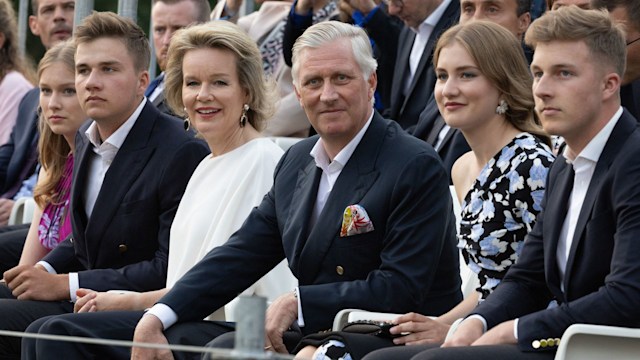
(153, 85)
(438, 125)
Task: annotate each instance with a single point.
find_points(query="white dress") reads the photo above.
(220, 195)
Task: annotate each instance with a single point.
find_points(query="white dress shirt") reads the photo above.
(330, 172)
(98, 163)
(423, 33)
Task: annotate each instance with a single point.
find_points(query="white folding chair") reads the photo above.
(22, 211)
(596, 342)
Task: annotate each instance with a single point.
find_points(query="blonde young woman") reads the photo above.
(214, 78)
(483, 88)
(60, 119)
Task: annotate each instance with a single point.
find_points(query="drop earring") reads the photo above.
(187, 122)
(243, 117)
(502, 108)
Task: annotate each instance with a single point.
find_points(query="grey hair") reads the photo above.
(328, 31)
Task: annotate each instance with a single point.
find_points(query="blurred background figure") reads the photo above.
(15, 74)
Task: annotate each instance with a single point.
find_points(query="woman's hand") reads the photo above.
(93, 301)
(421, 330)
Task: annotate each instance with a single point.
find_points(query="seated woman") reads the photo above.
(16, 74)
(60, 118)
(214, 77)
(483, 89)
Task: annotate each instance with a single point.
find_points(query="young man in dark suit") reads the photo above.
(361, 212)
(132, 164)
(579, 263)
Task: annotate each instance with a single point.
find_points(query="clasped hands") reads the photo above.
(28, 282)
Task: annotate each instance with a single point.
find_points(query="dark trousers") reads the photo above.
(11, 244)
(433, 352)
(114, 325)
(17, 315)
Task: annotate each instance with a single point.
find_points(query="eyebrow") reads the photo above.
(461, 68)
(102, 63)
(69, 84)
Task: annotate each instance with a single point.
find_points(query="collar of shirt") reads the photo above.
(432, 20)
(117, 138)
(591, 153)
(322, 159)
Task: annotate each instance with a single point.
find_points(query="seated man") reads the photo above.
(582, 252)
(132, 166)
(362, 213)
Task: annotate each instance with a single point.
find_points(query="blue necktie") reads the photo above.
(153, 85)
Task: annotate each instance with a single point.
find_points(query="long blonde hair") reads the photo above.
(53, 149)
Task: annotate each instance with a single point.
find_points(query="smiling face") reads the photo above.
(108, 85)
(568, 88)
(59, 102)
(53, 21)
(466, 98)
(501, 12)
(334, 92)
(167, 19)
(212, 93)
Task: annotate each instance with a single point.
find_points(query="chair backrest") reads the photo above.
(591, 342)
(284, 142)
(22, 211)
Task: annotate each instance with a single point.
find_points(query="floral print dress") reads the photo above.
(501, 208)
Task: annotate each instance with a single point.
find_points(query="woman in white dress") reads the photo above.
(214, 77)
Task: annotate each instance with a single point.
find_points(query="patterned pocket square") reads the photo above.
(355, 220)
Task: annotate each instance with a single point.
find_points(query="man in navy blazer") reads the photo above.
(425, 21)
(131, 166)
(361, 212)
(579, 264)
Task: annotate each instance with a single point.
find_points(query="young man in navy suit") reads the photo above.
(579, 264)
(361, 212)
(132, 164)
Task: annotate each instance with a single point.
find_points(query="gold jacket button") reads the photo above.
(339, 270)
(535, 344)
(122, 248)
(551, 342)
(543, 343)
(557, 341)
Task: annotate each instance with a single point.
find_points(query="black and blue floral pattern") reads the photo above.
(501, 208)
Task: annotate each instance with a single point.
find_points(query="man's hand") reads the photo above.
(92, 301)
(364, 6)
(422, 330)
(469, 331)
(280, 315)
(499, 335)
(149, 330)
(35, 283)
(5, 210)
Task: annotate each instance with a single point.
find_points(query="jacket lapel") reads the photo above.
(124, 170)
(354, 181)
(621, 131)
(83, 147)
(401, 68)
(557, 207)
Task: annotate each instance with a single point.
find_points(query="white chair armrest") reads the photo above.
(590, 342)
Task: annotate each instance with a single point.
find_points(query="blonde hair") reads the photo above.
(109, 25)
(499, 56)
(227, 36)
(604, 38)
(53, 149)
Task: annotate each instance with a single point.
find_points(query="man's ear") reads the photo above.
(611, 85)
(143, 81)
(295, 89)
(523, 23)
(33, 25)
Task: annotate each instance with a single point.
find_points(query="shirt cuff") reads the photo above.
(167, 316)
(74, 285)
(484, 322)
(515, 328)
(300, 316)
(47, 267)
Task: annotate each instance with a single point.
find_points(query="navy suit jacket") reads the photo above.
(406, 109)
(452, 146)
(601, 285)
(409, 262)
(124, 243)
(22, 142)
